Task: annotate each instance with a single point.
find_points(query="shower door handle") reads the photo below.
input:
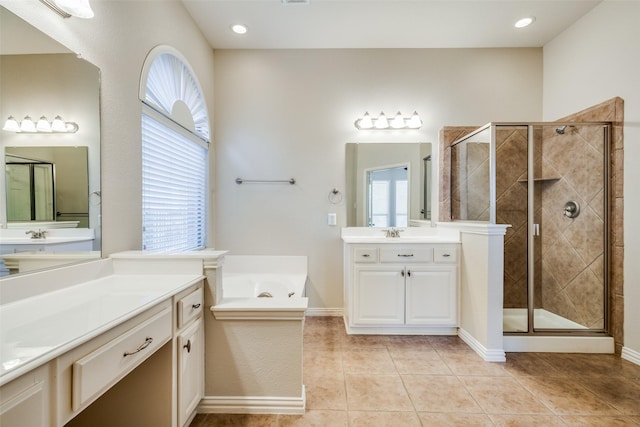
(536, 229)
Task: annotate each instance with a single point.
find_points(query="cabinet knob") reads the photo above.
(187, 346)
(195, 306)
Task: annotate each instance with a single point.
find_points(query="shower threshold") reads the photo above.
(515, 320)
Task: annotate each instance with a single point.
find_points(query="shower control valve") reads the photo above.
(571, 209)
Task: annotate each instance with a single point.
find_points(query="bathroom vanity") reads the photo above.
(109, 342)
(406, 284)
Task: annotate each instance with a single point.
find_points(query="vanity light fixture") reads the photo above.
(524, 22)
(382, 123)
(42, 126)
(69, 8)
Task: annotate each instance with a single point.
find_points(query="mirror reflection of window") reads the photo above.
(388, 197)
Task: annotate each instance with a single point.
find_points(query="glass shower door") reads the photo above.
(569, 217)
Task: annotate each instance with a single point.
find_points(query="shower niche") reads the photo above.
(549, 181)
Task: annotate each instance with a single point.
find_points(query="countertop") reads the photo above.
(38, 329)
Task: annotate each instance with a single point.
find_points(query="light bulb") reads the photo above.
(398, 121)
(58, 125)
(27, 125)
(43, 125)
(381, 122)
(11, 125)
(77, 8)
(365, 122)
(415, 122)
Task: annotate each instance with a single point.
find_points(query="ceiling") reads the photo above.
(325, 24)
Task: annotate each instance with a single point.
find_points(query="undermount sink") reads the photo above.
(406, 235)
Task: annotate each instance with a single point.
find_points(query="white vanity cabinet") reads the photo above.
(25, 401)
(190, 353)
(401, 288)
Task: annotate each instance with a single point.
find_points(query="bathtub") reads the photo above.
(254, 344)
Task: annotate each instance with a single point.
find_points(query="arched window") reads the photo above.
(175, 145)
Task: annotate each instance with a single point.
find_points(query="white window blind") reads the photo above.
(174, 182)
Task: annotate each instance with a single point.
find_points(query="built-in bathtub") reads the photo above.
(254, 344)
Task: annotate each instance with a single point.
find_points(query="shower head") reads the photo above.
(561, 129)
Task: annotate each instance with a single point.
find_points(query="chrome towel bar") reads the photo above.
(290, 181)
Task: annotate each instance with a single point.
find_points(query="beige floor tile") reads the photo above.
(383, 419)
(313, 418)
(322, 362)
(502, 395)
(376, 393)
(244, 420)
(368, 361)
(564, 396)
(198, 420)
(409, 342)
(358, 342)
(529, 364)
(527, 420)
(454, 420)
(463, 363)
(426, 362)
(598, 421)
(326, 392)
(448, 344)
(621, 393)
(436, 393)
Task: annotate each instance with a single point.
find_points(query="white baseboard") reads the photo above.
(630, 355)
(252, 405)
(325, 312)
(488, 355)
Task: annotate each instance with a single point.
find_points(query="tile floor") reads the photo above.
(439, 381)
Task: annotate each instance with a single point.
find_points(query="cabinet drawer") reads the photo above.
(446, 255)
(189, 307)
(106, 365)
(404, 255)
(365, 255)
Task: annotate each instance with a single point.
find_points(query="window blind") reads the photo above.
(174, 182)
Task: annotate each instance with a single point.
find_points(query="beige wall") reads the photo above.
(594, 60)
(289, 113)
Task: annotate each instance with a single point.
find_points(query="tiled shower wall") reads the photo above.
(571, 279)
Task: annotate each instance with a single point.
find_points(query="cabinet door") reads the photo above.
(432, 296)
(190, 370)
(379, 295)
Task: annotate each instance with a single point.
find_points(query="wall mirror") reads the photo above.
(388, 184)
(48, 180)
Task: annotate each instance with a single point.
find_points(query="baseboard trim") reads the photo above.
(324, 312)
(252, 405)
(488, 355)
(558, 344)
(630, 355)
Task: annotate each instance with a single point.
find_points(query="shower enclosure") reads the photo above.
(549, 181)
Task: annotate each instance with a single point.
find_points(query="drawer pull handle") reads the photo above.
(446, 255)
(366, 255)
(144, 345)
(405, 255)
(187, 346)
(196, 306)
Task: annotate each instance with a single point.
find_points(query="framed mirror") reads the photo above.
(49, 181)
(388, 184)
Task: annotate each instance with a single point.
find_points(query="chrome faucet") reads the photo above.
(392, 232)
(40, 234)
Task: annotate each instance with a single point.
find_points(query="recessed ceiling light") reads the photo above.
(524, 22)
(239, 28)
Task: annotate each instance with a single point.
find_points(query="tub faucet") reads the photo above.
(40, 234)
